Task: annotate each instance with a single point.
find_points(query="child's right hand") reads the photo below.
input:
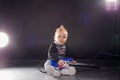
(61, 63)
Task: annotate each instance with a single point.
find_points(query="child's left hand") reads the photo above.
(73, 61)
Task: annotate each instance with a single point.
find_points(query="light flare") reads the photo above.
(3, 39)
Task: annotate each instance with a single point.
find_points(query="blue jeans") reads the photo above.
(55, 64)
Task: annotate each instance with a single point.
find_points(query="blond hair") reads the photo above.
(61, 28)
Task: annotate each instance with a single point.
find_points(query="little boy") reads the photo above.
(57, 62)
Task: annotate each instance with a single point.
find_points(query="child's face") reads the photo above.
(61, 37)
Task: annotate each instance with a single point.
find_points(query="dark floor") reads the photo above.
(105, 72)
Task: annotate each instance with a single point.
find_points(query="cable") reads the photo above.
(42, 64)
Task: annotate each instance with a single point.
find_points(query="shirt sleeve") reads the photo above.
(52, 53)
(68, 53)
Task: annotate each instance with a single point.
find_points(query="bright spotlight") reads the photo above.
(112, 4)
(111, 0)
(3, 39)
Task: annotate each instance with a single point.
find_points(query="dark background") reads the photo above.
(30, 25)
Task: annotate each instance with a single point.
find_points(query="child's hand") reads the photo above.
(61, 63)
(73, 61)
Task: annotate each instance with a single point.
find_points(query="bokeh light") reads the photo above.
(3, 39)
(112, 5)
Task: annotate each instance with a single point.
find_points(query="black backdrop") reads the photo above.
(30, 25)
